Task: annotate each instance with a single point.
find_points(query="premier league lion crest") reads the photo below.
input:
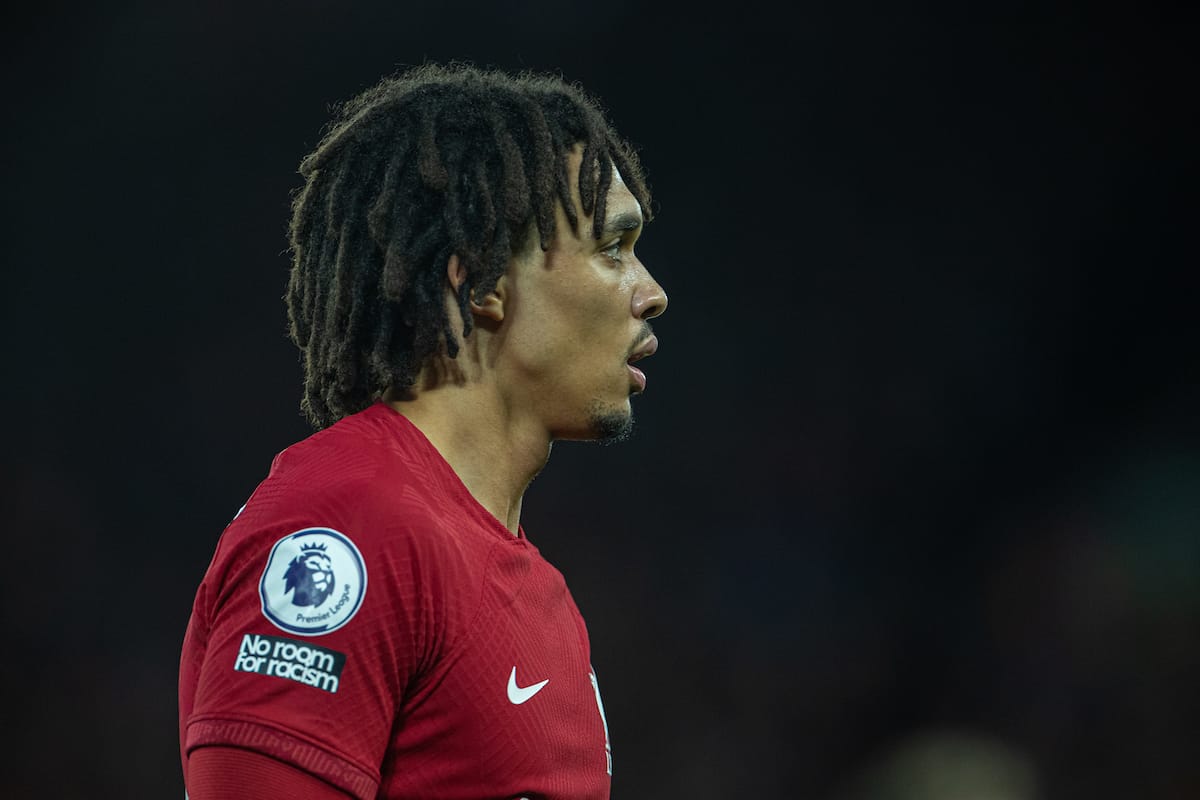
(310, 576)
(314, 582)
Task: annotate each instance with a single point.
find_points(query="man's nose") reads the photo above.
(650, 300)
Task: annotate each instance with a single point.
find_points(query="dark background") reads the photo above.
(915, 493)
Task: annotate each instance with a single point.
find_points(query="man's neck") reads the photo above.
(494, 453)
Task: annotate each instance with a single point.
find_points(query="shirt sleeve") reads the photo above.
(229, 773)
(305, 636)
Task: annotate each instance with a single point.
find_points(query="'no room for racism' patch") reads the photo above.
(287, 658)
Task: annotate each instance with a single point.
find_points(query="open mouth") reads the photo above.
(636, 375)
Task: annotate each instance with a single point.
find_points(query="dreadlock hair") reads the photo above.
(433, 162)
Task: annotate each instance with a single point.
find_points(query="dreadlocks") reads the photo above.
(438, 161)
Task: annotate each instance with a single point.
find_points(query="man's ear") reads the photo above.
(490, 305)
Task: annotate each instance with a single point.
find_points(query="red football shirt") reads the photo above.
(366, 620)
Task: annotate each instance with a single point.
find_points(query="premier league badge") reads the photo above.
(314, 582)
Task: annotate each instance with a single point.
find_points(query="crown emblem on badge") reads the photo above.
(306, 549)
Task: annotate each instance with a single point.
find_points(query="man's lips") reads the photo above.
(646, 349)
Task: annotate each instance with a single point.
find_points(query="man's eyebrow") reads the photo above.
(625, 221)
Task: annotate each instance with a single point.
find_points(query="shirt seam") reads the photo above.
(251, 719)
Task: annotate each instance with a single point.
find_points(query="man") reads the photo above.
(464, 291)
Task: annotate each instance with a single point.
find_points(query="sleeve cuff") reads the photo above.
(285, 747)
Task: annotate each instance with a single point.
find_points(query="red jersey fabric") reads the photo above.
(366, 620)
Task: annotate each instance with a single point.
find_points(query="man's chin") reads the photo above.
(609, 424)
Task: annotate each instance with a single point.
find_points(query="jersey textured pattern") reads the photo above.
(403, 645)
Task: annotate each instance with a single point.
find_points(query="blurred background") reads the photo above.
(913, 506)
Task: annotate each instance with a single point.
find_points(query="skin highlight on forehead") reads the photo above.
(618, 218)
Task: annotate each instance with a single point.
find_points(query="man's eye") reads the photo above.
(613, 251)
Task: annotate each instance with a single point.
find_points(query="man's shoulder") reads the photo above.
(368, 456)
(371, 435)
(369, 473)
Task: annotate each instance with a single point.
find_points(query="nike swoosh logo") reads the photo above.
(517, 695)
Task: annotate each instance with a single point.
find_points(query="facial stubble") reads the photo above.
(609, 425)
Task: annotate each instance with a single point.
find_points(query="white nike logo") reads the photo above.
(517, 695)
